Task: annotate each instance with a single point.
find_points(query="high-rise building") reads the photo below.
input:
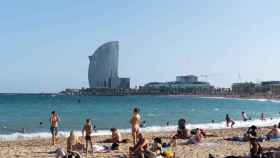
(103, 67)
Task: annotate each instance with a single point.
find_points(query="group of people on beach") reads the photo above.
(142, 148)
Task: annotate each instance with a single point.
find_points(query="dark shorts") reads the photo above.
(88, 138)
(54, 131)
(115, 146)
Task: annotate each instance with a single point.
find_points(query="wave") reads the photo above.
(171, 128)
(248, 99)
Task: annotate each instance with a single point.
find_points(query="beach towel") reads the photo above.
(101, 149)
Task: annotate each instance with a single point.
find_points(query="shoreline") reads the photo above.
(148, 129)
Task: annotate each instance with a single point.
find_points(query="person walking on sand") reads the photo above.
(86, 132)
(135, 122)
(229, 121)
(54, 120)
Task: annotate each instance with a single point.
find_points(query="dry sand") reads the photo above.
(40, 148)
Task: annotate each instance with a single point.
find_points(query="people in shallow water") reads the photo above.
(143, 124)
(167, 123)
(229, 121)
(244, 116)
(263, 117)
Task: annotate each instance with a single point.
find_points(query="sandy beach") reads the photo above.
(41, 148)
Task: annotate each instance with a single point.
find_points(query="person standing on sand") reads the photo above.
(54, 120)
(229, 121)
(87, 129)
(135, 122)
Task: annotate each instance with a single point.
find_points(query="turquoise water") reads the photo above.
(27, 111)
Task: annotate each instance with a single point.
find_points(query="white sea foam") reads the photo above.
(171, 128)
(249, 99)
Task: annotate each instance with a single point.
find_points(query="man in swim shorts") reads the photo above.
(54, 120)
(135, 122)
(87, 129)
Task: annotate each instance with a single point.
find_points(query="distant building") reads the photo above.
(244, 88)
(266, 88)
(103, 68)
(182, 85)
(187, 79)
(271, 87)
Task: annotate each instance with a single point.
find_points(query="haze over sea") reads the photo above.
(27, 111)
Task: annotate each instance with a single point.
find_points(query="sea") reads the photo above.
(27, 116)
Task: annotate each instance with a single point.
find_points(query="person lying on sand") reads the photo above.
(204, 133)
(196, 138)
(274, 133)
(251, 132)
(140, 150)
(73, 143)
(60, 153)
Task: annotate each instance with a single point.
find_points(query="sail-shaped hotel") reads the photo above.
(103, 68)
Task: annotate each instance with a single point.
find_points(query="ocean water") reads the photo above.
(27, 111)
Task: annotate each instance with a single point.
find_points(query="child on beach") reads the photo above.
(87, 129)
(135, 122)
(54, 120)
(229, 121)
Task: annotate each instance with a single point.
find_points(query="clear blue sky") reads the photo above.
(45, 44)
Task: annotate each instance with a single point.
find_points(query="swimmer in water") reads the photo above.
(244, 116)
(143, 124)
(229, 121)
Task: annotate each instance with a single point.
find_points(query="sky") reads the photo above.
(45, 44)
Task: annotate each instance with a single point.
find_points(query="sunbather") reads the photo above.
(60, 153)
(140, 150)
(182, 131)
(197, 138)
(274, 133)
(73, 143)
(116, 139)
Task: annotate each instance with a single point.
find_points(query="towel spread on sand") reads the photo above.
(101, 149)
